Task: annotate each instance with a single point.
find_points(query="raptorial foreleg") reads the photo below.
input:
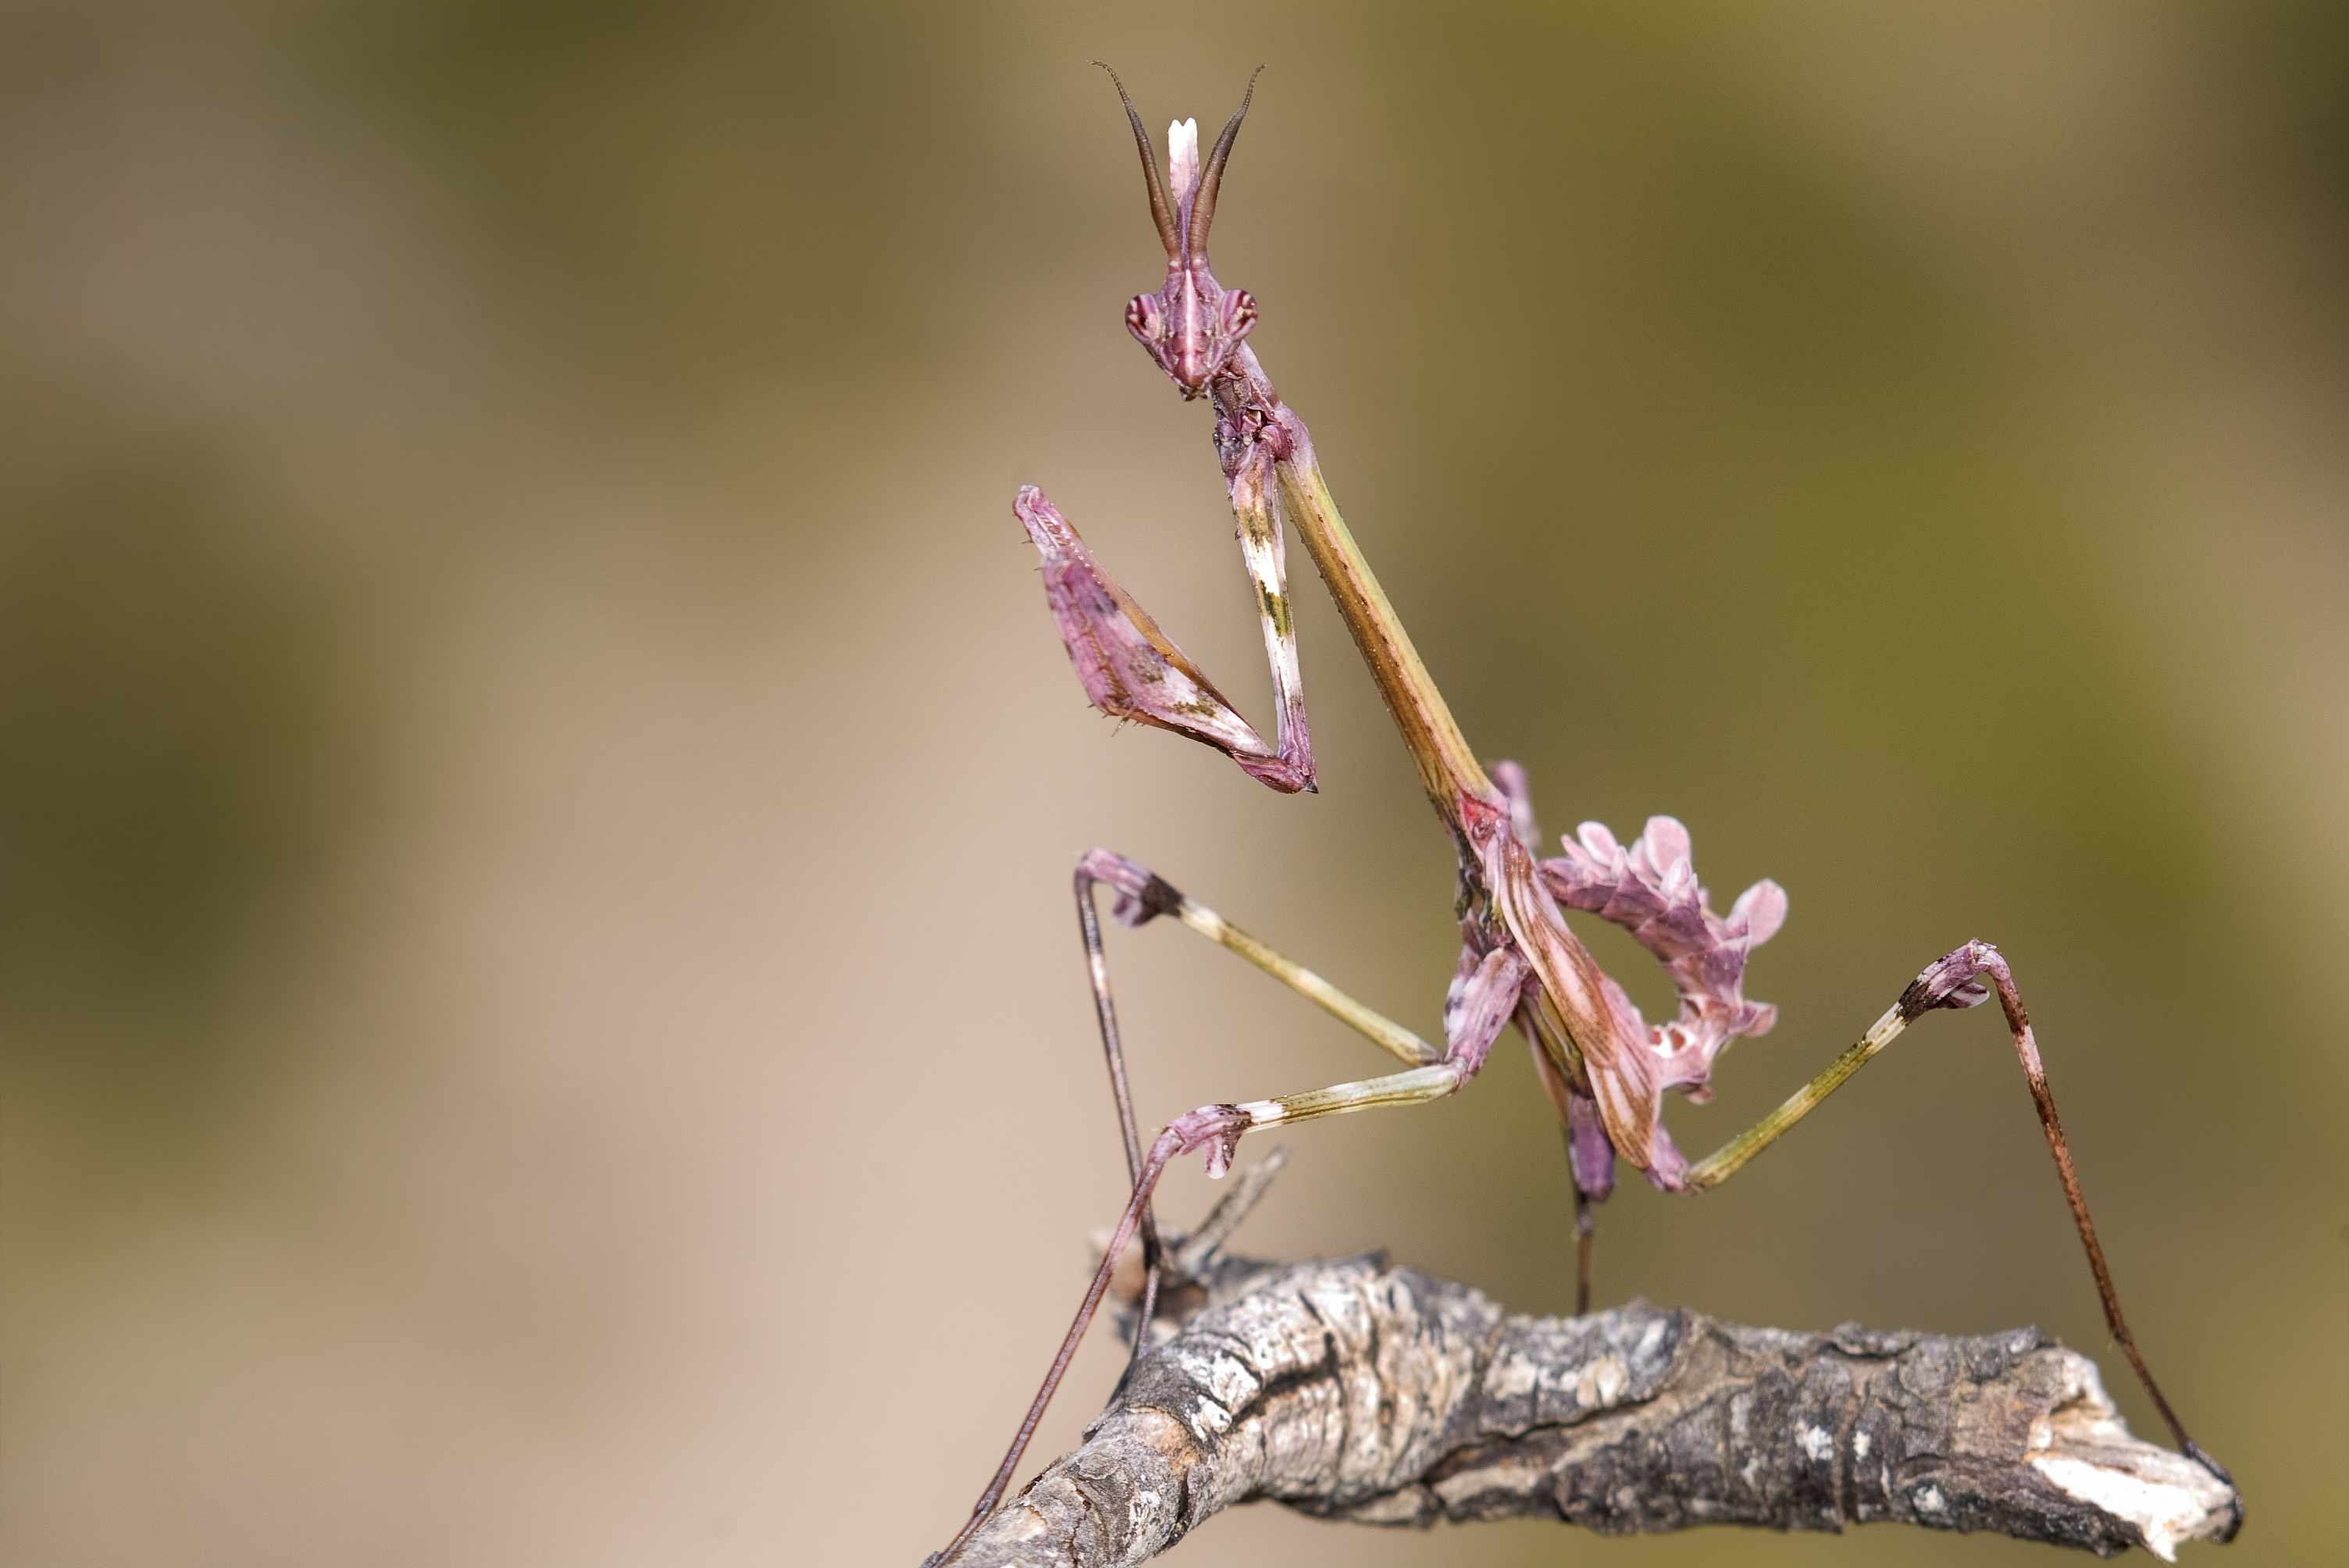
(1133, 670)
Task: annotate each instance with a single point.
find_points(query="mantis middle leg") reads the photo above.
(1143, 895)
(1474, 1015)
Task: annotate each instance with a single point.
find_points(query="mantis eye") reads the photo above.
(1142, 318)
(1239, 313)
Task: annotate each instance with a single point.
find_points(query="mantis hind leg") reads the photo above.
(1966, 977)
(1589, 1159)
(1586, 1245)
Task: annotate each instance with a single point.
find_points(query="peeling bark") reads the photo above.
(1362, 1392)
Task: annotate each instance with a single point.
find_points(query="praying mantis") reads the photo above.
(1605, 1068)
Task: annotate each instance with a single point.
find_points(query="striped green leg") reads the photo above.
(1142, 895)
(1739, 1151)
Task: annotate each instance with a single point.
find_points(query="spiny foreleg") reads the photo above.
(1133, 670)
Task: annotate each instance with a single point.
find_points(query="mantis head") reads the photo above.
(1192, 325)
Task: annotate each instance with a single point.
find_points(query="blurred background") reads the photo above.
(541, 1018)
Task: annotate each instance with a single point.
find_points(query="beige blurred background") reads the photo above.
(541, 1018)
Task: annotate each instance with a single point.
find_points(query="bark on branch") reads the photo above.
(1362, 1391)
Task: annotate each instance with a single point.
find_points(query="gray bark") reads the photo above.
(1362, 1392)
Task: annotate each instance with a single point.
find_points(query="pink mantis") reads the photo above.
(1604, 1068)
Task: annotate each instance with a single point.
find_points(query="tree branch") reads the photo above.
(1362, 1391)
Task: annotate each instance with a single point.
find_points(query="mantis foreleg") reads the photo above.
(1133, 670)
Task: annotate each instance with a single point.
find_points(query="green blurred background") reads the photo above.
(541, 1018)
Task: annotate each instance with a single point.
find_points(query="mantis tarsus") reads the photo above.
(1605, 1068)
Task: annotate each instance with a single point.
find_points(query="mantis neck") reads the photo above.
(1455, 782)
(1448, 769)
